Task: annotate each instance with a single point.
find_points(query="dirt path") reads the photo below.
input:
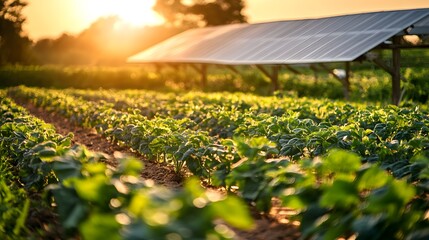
(273, 226)
(160, 173)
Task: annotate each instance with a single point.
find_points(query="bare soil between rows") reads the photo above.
(272, 226)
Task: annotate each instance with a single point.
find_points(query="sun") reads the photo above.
(134, 12)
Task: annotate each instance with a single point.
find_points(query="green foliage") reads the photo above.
(116, 204)
(25, 144)
(79, 77)
(349, 169)
(13, 46)
(94, 201)
(250, 173)
(415, 87)
(208, 13)
(354, 200)
(367, 85)
(14, 207)
(29, 143)
(340, 163)
(173, 128)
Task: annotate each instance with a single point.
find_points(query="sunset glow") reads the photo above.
(135, 12)
(51, 18)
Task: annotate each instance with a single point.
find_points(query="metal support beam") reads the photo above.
(264, 71)
(158, 68)
(173, 66)
(393, 46)
(232, 68)
(315, 71)
(386, 68)
(324, 67)
(202, 70)
(288, 67)
(383, 66)
(203, 76)
(396, 74)
(314, 68)
(195, 67)
(273, 75)
(344, 80)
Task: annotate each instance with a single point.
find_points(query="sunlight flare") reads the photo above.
(134, 12)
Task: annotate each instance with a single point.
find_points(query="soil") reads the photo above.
(273, 226)
(160, 173)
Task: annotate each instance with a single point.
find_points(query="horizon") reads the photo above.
(77, 15)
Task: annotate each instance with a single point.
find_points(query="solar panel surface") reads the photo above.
(332, 39)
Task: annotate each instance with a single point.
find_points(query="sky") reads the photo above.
(51, 18)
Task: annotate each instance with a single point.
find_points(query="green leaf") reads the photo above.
(341, 162)
(94, 189)
(193, 187)
(250, 148)
(245, 150)
(70, 208)
(75, 215)
(373, 178)
(95, 168)
(233, 211)
(138, 203)
(423, 163)
(422, 234)
(341, 194)
(20, 222)
(101, 226)
(47, 153)
(130, 166)
(342, 135)
(392, 199)
(251, 189)
(367, 227)
(194, 165)
(309, 219)
(294, 202)
(65, 168)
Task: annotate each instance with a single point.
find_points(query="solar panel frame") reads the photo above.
(332, 39)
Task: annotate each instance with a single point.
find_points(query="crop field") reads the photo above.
(341, 170)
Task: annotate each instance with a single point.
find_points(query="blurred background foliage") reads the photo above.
(367, 83)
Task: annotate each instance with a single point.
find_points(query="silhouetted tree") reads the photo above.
(201, 12)
(13, 45)
(106, 41)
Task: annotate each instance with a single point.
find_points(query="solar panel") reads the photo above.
(421, 27)
(332, 39)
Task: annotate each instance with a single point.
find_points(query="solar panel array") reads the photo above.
(332, 39)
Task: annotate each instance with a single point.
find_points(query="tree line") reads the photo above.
(103, 42)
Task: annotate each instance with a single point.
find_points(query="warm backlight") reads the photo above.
(135, 12)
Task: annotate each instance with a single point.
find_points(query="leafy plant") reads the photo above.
(337, 196)
(94, 201)
(99, 202)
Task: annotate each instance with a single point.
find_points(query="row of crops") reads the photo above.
(50, 185)
(348, 170)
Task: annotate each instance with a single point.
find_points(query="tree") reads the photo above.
(201, 12)
(105, 41)
(13, 46)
